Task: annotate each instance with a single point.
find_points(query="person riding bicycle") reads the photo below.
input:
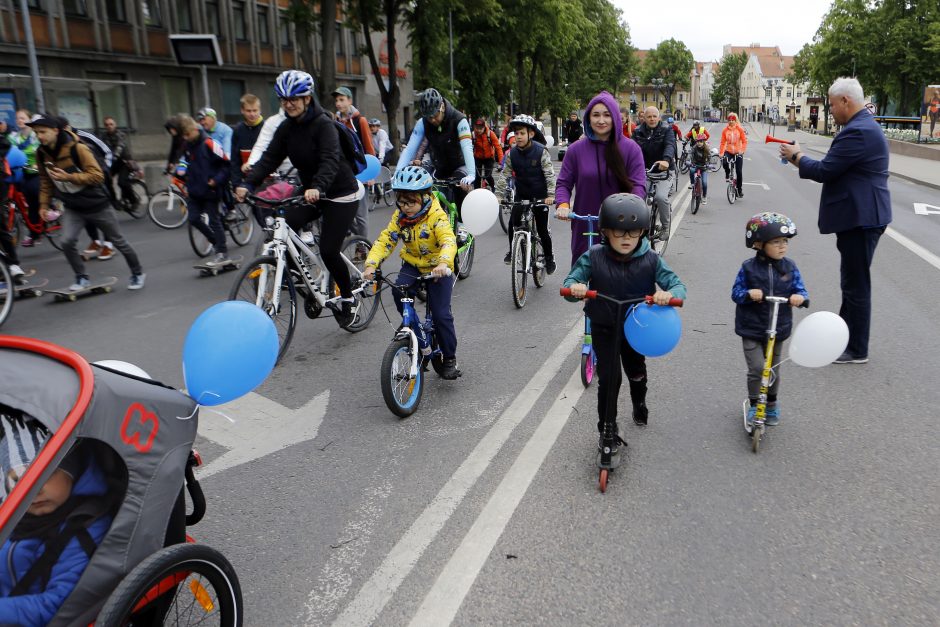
(622, 266)
(312, 142)
(429, 248)
(767, 273)
(733, 144)
(10, 158)
(450, 142)
(26, 140)
(671, 121)
(530, 165)
(699, 161)
(207, 174)
(658, 142)
(380, 140)
(697, 131)
(486, 151)
(49, 549)
(120, 148)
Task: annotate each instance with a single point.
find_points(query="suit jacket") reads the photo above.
(854, 174)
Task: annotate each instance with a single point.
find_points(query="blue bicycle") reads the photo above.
(412, 349)
(588, 357)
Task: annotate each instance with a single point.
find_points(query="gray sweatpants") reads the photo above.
(663, 204)
(73, 224)
(360, 225)
(754, 356)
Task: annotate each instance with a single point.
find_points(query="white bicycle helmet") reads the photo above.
(293, 83)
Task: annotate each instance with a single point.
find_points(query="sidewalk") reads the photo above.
(914, 169)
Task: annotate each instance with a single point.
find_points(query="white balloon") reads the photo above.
(819, 339)
(479, 211)
(549, 141)
(123, 366)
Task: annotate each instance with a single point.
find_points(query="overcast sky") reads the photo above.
(705, 27)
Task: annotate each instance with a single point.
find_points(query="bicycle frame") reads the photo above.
(419, 334)
(528, 220)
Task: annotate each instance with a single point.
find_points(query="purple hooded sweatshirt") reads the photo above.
(585, 170)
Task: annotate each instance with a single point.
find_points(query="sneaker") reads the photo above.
(550, 266)
(641, 414)
(751, 412)
(849, 358)
(345, 311)
(449, 370)
(772, 415)
(107, 251)
(16, 271)
(740, 193)
(28, 242)
(508, 258)
(93, 249)
(137, 281)
(306, 237)
(220, 260)
(704, 201)
(81, 282)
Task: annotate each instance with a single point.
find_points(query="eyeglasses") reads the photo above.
(291, 99)
(401, 203)
(626, 232)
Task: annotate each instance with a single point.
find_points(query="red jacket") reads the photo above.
(486, 145)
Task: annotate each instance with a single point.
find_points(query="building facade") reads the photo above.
(115, 45)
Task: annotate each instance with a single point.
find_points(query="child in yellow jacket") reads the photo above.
(429, 248)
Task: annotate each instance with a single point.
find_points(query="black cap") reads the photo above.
(45, 119)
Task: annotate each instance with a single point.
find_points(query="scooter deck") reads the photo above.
(102, 286)
(214, 270)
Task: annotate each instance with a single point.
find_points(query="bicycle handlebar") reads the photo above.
(592, 294)
(589, 218)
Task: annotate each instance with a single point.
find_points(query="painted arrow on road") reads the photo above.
(923, 209)
(261, 427)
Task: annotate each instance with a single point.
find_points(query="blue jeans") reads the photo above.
(704, 172)
(439, 293)
(857, 247)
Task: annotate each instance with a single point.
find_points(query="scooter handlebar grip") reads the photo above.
(673, 302)
(566, 291)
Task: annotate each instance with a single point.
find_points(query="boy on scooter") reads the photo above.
(622, 266)
(768, 273)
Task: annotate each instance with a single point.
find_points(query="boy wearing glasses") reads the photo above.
(622, 266)
(429, 248)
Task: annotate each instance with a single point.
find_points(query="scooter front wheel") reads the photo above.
(756, 434)
(587, 369)
(602, 480)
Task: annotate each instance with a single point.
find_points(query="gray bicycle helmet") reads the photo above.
(624, 211)
(375, 122)
(429, 102)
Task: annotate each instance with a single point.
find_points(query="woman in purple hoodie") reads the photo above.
(601, 163)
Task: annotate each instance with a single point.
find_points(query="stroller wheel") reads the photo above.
(187, 584)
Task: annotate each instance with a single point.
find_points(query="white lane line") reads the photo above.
(442, 602)
(365, 608)
(914, 247)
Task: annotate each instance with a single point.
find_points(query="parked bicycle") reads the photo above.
(526, 254)
(288, 267)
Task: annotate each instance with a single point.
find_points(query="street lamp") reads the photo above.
(657, 88)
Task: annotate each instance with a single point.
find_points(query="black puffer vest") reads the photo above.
(444, 142)
(527, 168)
(633, 278)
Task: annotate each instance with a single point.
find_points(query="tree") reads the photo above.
(727, 91)
(672, 62)
(307, 17)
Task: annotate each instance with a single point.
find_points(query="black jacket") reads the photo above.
(312, 144)
(206, 161)
(572, 130)
(243, 138)
(657, 143)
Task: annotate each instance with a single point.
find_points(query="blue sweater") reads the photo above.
(16, 557)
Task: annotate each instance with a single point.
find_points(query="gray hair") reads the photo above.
(848, 87)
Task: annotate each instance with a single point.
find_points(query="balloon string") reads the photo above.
(632, 314)
(199, 404)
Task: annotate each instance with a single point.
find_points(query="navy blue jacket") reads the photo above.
(752, 319)
(527, 168)
(854, 174)
(206, 160)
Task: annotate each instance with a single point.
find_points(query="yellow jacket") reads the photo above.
(427, 244)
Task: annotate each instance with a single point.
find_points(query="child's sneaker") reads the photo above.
(641, 413)
(751, 412)
(772, 416)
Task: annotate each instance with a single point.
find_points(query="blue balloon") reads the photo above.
(16, 159)
(373, 167)
(229, 351)
(652, 330)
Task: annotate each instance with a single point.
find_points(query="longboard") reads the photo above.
(232, 264)
(101, 286)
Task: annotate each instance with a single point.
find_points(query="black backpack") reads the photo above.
(351, 146)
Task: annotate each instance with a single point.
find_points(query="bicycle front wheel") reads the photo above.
(136, 205)
(517, 262)
(356, 250)
(401, 391)
(167, 210)
(464, 261)
(538, 263)
(7, 293)
(201, 246)
(732, 192)
(256, 285)
(505, 210)
(696, 197)
(240, 224)
(183, 584)
(53, 231)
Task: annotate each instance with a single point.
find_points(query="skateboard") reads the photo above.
(100, 286)
(30, 289)
(232, 264)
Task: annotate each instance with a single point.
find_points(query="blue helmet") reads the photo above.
(670, 119)
(412, 178)
(293, 83)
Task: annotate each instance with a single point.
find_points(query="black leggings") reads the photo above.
(609, 379)
(336, 218)
(738, 165)
(541, 227)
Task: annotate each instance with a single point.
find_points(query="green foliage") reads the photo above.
(727, 90)
(672, 62)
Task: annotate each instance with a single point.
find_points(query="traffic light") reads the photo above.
(633, 107)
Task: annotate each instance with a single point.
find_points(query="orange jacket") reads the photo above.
(733, 140)
(486, 145)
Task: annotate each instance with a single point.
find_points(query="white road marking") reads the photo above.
(914, 247)
(401, 560)
(764, 185)
(261, 427)
(442, 602)
(923, 209)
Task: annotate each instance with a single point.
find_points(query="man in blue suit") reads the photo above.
(855, 203)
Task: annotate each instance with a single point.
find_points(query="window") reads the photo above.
(284, 36)
(115, 10)
(111, 102)
(151, 12)
(34, 4)
(74, 7)
(339, 41)
(232, 91)
(213, 23)
(238, 17)
(799, 93)
(177, 95)
(263, 35)
(184, 15)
